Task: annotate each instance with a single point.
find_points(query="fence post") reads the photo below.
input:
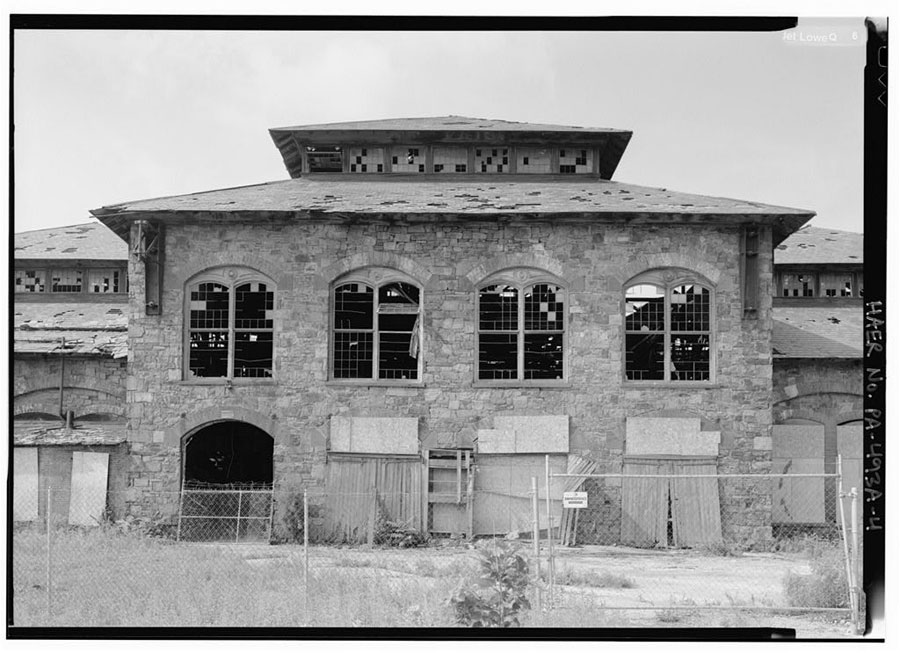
(306, 543)
(854, 548)
(48, 510)
(180, 512)
(536, 541)
(237, 528)
(550, 569)
(847, 567)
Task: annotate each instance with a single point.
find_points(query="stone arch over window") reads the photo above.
(376, 326)
(521, 324)
(387, 260)
(669, 326)
(229, 317)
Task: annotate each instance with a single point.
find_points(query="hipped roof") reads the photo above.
(464, 196)
(88, 241)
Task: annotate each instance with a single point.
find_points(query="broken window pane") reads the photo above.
(645, 308)
(498, 356)
(66, 281)
(209, 353)
(30, 281)
(543, 356)
(543, 308)
(498, 308)
(103, 281)
(209, 306)
(394, 358)
(252, 354)
(253, 306)
(644, 356)
(352, 355)
(836, 284)
(690, 357)
(353, 306)
(325, 159)
(798, 285)
(690, 308)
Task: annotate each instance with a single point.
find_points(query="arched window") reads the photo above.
(230, 325)
(668, 327)
(377, 327)
(521, 327)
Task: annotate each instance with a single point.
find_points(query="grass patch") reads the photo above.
(825, 586)
(587, 577)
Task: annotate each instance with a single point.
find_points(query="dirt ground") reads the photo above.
(664, 588)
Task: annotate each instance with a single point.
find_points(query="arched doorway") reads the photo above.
(228, 453)
(227, 483)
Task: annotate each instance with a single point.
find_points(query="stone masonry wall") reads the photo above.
(448, 257)
(91, 385)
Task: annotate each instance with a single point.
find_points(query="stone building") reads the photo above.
(428, 308)
(68, 390)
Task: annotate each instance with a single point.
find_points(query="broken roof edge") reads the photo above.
(443, 123)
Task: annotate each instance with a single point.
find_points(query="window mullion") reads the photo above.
(376, 354)
(667, 335)
(231, 331)
(520, 335)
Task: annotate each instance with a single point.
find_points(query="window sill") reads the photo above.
(374, 383)
(227, 382)
(550, 384)
(673, 385)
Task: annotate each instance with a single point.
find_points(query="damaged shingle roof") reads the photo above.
(817, 332)
(442, 123)
(87, 327)
(461, 195)
(91, 240)
(818, 245)
(46, 433)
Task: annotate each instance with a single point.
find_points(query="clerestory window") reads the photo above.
(668, 328)
(521, 328)
(377, 327)
(230, 325)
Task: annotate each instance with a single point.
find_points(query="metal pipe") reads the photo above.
(854, 548)
(847, 568)
(550, 570)
(536, 541)
(62, 371)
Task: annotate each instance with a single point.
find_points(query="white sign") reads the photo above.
(574, 499)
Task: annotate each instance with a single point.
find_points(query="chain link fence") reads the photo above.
(258, 556)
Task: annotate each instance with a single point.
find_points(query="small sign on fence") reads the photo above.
(575, 500)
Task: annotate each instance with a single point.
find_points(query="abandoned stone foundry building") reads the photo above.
(430, 309)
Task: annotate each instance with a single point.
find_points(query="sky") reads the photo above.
(103, 117)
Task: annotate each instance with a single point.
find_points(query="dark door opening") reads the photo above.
(231, 453)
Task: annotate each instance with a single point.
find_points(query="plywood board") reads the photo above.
(391, 435)
(503, 503)
(493, 441)
(55, 477)
(799, 500)
(696, 513)
(25, 484)
(644, 504)
(669, 436)
(536, 433)
(88, 497)
(850, 440)
(798, 441)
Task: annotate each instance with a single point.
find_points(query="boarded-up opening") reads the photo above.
(503, 502)
(451, 485)
(677, 511)
(370, 497)
(25, 484)
(87, 502)
(798, 449)
(850, 448)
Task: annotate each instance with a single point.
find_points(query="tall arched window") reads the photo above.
(230, 325)
(521, 327)
(668, 318)
(377, 327)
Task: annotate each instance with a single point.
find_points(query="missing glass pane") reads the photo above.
(209, 306)
(644, 357)
(497, 356)
(543, 308)
(690, 357)
(252, 354)
(543, 356)
(353, 306)
(498, 308)
(209, 354)
(353, 355)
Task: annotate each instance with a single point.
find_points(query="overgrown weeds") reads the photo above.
(498, 594)
(588, 577)
(825, 586)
